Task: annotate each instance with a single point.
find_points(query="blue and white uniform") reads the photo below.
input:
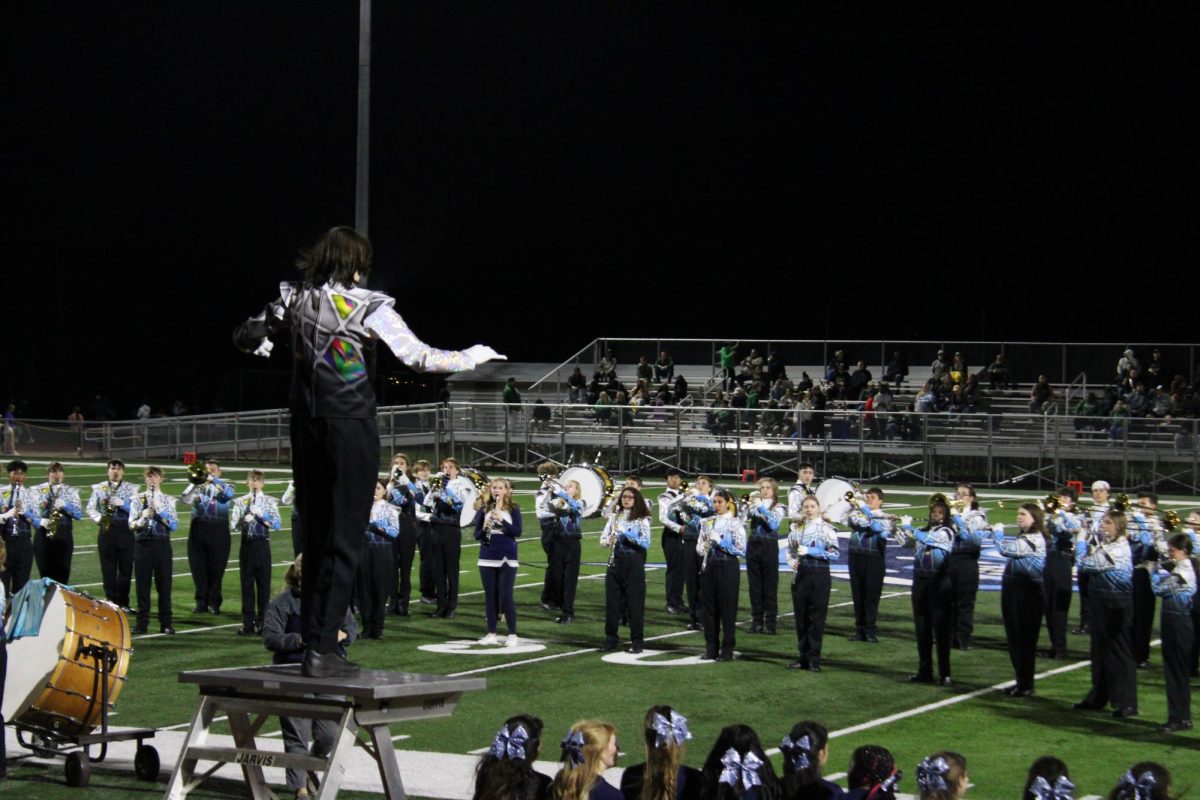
(54, 547)
(109, 506)
(209, 540)
(869, 534)
(376, 567)
(625, 578)
(721, 541)
(1177, 589)
(764, 526)
(812, 545)
(1109, 567)
(1022, 601)
(18, 519)
(153, 520)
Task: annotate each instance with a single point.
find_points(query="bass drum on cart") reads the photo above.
(595, 484)
(53, 679)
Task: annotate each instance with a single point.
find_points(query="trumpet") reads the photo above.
(748, 500)
(197, 473)
(436, 482)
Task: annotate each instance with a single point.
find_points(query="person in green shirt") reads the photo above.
(728, 358)
(510, 396)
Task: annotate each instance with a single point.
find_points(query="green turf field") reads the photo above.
(861, 686)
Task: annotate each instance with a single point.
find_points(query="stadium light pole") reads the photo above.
(362, 182)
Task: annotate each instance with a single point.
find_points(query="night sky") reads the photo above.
(546, 173)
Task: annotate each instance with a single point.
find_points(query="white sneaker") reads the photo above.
(491, 638)
(511, 641)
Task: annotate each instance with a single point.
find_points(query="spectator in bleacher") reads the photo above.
(958, 369)
(836, 365)
(541, 415)
(939, 365)
(1137, 402)
(607, 366)
(780, 388)
(645, 372)
(857, 384)
(738, 769)
(896, 370)
(505, 771)
(957, 402)
(1041, 393)
(1048, 779)
(663, 396)
(663, 775)
(594, 390)
(639, 400)
(942, 776)
(1126, 364)
(753, 401)
(971, 389)
(775, 367)
(872, 774)
(804, 384)
(819, 403)
(577, 387)
(998, 373)
(624, 412)
(588, 749)
(614, 385)
(1160, 403)
(681, 389)
(754, 365)
(664, 368)
(603, 409)
(926, 401)
(1085, 411)
(1118, 421)
(510, 396)
(727, 356)
(1145, 780)
(772, 419)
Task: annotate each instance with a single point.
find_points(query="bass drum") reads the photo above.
(51, 682)
(477, 483)
(595, 484)
(832, 496)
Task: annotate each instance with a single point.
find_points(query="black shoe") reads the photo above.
(1049, 654)
(814, 667)
(693, 626)
(327, 665)
(799, 663)
(1144, 665)
(141, 630)
(1124, 711)
(725, 657)
(871, 639)
(756, 627)
(917, 677)
(1084, 705)
(856, 637)
(565, 619)
(963, 647)
(676, 610)
(634, 649)
(200, 609)
(945, 681)
(1009, 691)
(1180, 725)
(1023, 692)
(402, 612)
(708, 657)
(167, 629)
(375, 635)
(609, 647)
(549, 607)
(428, 601)
(769, 630)
(245, 630)
(451, 614)
(214, 609)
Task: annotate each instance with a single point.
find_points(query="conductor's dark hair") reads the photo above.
(1049, 768)
(335, 257)
(506, 778)
(743, 739)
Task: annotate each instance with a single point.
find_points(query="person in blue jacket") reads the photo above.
(1021, 599)
(1177, 588)
(932, 595)
(376, 570)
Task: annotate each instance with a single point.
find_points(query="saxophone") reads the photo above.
(56, 514)
(707, 531)
(106, 516)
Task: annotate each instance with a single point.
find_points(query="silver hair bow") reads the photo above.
(1139, 788)
(799, 750)
(1062, 789)
(670, 730)
(572, 747)
(931, 775)
(510, 742)
(892, 782)
(738, 768)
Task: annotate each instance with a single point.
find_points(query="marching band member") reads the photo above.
(333, 320)
(1100, 493)
(931, 593)
(1021, 600)
(289, 499)
(672, 541)
(54, 542)
(551, 528)
(497, 528)
(721, 541)
(109, 508)
(209, 539)
(690, 512)
(405, 495)
(255, 516)
(446, 505)
(1146, 543)
(427, 591)
(962, 565)
(806, 484)
(1177, 588)
(376, 567)
(18, 520)
(3, 653)
(1114, 677)
(566, 506)
(810, 549)
(1062, 526)
(628, 537)
(870, 530)
(153, 520)
(1193, 532)
(663, 775)
(763, 519)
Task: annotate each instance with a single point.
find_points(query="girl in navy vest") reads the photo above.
(497, 528)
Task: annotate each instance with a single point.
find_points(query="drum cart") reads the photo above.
(76, 748)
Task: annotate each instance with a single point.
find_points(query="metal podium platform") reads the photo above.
(369, 702)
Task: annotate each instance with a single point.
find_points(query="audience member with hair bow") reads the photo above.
(805, 750)
(506, 771)
(588, 749)
(1049, 779)
(737, 768)
(1143, 781)
(872, 774)
(942, 776)
(662, 776)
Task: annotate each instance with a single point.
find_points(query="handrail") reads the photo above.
(570, 358)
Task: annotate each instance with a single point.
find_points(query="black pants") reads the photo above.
(3, 672)
(116, 562)
(866, 587)
(689, 564)
(1195, 671)
(447, 555)
(565, 567)
(552, 585)
(254, 568)
(20, 562)
(963, 571)
(1022, 605)
(1056, 586)
(1114, 672)
(498, 583)
(762, 576)
(1143, 615)
(375, 576)
(334, 463)
(625, 590)
(152, 560)
(672, 547)
(810, 602)
(425, 548)
(404, 548)
(53, 554)
(719, 586)
(1178, 639)
(208, 557)
(297, 537)
(1085, 604)
(933, 619)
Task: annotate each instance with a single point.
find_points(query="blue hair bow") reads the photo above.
(740, 769)
(572, 747)
(931, 775)
(1062, 789)
(1139, 788)
(670, 730)
(799, 750)
(510, 743)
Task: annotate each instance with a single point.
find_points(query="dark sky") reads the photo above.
(546, 173)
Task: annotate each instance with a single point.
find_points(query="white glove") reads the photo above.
(60, 503)
(906, 521)
(998, 531)
(248, 518)
(117, 502)
(264, 348)
(148, 513)
(45, 523)
(481, 353)
(7, 515)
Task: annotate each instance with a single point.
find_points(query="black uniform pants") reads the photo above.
(625, 590)
(404, 548)
(933, 620)
(425, 571)
(1114, 672)
(963, 571)
(689, 564)
(810, 602)
(1085, 603)
(20, 562)
(1056, 585)
(115, 548)
(254, 568)
(375, 576)
(1178, 639)
(335, 462)
(447, 555)
(297, 536)
(208, 547)
(567, 553)
(866, 587)
(672, 547)
(552, 585)
(719, 586)
(3, 672)
(762, 576)
(1143, 615)
(152, 561)
(53, 554)
(498, 598)
(1022, 605)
